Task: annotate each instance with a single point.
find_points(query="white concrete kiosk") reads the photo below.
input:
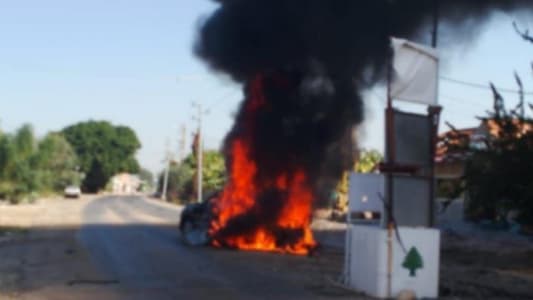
(375, 261)
(417, 269)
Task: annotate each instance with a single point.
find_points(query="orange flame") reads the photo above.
(242, 191)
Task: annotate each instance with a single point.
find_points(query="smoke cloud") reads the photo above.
(325, 52)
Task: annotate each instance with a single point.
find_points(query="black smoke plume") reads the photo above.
(327, 51)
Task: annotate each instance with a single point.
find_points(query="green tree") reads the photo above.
(56, 163)
(24, 142)
(214, 171)
(368, 161)
(148, 179)
(498, 177)
(17, 176)
(103, 151)
(180, 183)
(182, 177)
(29, 168)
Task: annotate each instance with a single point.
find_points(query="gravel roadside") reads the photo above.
(41, 258)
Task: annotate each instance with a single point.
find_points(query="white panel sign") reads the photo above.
(415, 72)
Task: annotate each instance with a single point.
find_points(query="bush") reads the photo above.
(182, 178)
(29, 168)
(498, 177)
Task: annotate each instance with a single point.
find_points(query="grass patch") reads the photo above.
(11, 231)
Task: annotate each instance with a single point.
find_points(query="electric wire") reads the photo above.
(482, 86)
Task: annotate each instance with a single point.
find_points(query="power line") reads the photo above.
(482, 86)
(471, 102)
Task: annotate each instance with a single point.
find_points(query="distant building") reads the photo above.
(125, 183)
(451, 155)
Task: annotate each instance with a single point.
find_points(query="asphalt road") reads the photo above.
(135, 242)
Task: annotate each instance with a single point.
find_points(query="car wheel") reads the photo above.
(194, 236)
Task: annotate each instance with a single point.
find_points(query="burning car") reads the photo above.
(259, 209)
(195, 222)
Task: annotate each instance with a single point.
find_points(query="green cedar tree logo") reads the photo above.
(413, 261)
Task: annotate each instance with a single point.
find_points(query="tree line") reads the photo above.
(86, 154)
(498, 176)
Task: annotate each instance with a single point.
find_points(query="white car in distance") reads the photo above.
(72, 191)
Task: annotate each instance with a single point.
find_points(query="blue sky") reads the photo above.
(131, 62)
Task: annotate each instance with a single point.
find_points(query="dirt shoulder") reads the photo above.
(481, 268)
(41, 258)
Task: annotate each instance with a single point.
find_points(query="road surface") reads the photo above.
(127, 248)
(135, 243)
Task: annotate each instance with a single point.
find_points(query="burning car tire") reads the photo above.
(194, 224)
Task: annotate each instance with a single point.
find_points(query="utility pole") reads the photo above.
(167, 167)
(199, 152)
(434, 115)
(436, 16)
(182, 143)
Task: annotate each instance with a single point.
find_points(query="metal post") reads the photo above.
(167, 167)
(434, 116)
(182, 143)
(390, 149)
(390, 255)
(389, 142)
(200, 153)
(436, 15)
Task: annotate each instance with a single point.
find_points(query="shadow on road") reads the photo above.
(148, 261)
